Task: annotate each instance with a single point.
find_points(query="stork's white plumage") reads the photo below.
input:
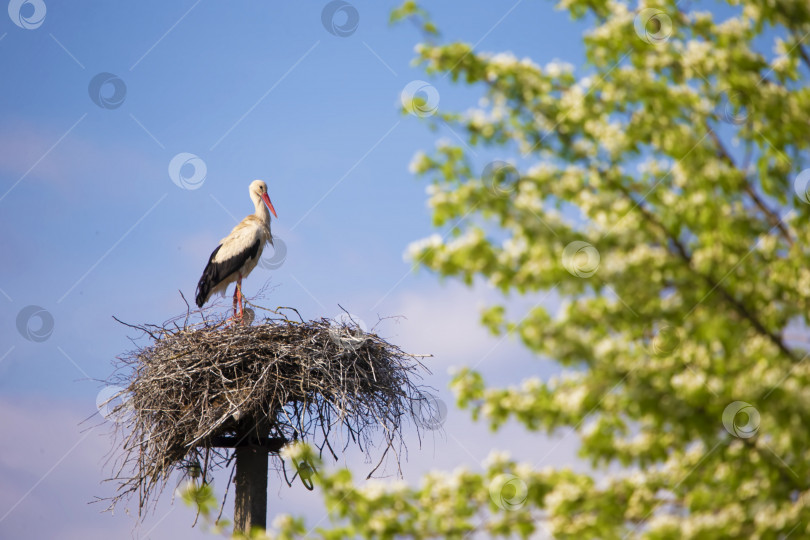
(238, 253)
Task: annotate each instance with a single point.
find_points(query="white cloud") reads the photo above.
(441, 320)
(444, 320)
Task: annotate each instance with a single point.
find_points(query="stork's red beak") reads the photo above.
(266, 199)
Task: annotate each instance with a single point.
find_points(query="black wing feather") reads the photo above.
(216, 272)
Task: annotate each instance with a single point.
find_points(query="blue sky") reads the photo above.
(95, 227)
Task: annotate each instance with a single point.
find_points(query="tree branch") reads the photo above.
(774, 220)
(684, 254)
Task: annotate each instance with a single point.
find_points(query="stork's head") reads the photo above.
(258, 191)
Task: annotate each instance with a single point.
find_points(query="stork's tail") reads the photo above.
(203, 288)
(207, 282)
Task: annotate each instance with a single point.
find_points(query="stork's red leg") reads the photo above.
(241, 297)
(235, 300)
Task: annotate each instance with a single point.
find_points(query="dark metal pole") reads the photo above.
(250, 504)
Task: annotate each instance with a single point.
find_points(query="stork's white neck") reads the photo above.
(261, 209)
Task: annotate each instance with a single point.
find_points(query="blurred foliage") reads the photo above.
(659, 190)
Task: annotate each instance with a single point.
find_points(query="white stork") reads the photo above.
(238, 253)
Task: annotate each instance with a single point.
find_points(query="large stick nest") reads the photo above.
(318, 381)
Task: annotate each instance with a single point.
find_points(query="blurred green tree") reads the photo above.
(662, 194)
